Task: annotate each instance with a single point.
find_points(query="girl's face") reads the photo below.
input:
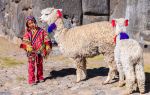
(31, 24)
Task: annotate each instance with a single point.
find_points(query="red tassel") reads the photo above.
(113, 22)
(115, 39)
(23, 46)
(126, 22)
(59, 13)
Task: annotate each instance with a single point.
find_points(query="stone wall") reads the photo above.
(13, 13)
(137, 12)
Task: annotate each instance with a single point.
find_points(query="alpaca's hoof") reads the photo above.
(127, 93)
(84, 77)
(77, 81)
(121, 84)
(104, 83)
(142, 92)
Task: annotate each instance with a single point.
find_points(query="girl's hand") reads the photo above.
(29, 48)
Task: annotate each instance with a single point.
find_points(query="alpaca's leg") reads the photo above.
(81, 69)
(109, 59)
(140, 75)
(121, 74)
(129, 74)
(84, 71)
(78, 73)
(119, 67)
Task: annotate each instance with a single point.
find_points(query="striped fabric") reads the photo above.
(40, 41)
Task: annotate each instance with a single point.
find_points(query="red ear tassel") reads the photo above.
(115, 39)
(126, 22)
(59, 13)
(113, 23)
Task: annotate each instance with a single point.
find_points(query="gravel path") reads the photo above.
(59, 73)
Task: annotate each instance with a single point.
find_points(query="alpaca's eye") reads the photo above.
(46, 14)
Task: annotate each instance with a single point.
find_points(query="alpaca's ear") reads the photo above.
(59, 13)
(113, 22)
(126, 22)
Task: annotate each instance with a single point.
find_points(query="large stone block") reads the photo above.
(137, 13)
(95, 7)
(2, 10)
(55, 3)
(90, 19)
(145, 35)
(117, 8)
(17, 10)
(73, 9)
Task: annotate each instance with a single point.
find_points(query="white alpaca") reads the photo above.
(129, 59)
(84, 41)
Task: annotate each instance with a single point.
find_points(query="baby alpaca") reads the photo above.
(129, 58)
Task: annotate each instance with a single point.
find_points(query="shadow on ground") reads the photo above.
(102, 71)
(147, 82)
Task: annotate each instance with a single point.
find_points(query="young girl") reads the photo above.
(38, 45)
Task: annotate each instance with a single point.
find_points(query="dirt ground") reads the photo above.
(59, 73)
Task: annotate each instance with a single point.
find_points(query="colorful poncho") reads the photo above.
(40, 40)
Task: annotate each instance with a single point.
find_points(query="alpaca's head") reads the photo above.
(50, 15)
(120, 25)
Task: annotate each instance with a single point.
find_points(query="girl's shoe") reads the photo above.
(41, 80)
(32, 84)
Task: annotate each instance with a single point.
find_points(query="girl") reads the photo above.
(38, 45)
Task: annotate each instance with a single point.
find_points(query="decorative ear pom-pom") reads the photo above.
(126, 22)
(51, 27)
(115, 39)
(113, 22)
(59, 13)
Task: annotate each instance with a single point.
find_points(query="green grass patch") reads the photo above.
(95, 62)
(147, 68)
(60, 58)
(96, 58)
(67, 60)
(56, 58)
(9, 62)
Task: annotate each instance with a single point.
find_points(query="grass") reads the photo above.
(9, 62)
(60, 58)
(147, 68)
(94, 62)
(96, 59)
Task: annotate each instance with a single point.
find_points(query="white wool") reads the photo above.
(129, 60)
(85, 41)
